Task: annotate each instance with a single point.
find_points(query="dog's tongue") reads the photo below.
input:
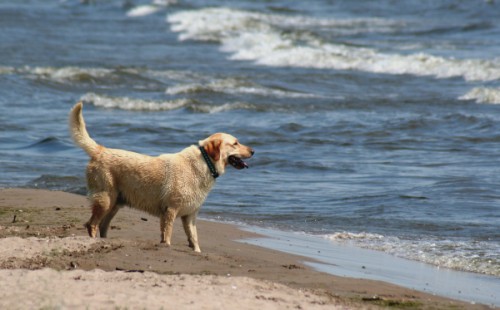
(237, 162)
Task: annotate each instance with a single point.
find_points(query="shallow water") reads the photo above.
(374, 123)
(349, 261)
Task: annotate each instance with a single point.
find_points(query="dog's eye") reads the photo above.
(235, 143)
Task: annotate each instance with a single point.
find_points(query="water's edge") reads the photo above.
(349, 261)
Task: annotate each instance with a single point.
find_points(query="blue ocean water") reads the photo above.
(375, 123)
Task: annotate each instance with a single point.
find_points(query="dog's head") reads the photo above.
(225, 149)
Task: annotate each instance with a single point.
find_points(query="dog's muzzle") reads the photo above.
(237, 162)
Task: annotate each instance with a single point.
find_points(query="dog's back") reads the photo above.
(132, 179)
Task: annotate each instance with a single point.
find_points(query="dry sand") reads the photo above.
(47, 261)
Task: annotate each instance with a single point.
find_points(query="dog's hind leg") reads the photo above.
(167, 224)
(101, 204)
(189, 223)
(104, 225)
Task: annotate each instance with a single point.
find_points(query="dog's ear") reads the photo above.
(213, 149)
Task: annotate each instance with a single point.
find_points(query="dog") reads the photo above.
(167, 186)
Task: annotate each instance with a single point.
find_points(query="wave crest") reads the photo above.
(234, 86)
(275, 40)
(125, 103)
(483, 95)
(473, 256)
(73, 74)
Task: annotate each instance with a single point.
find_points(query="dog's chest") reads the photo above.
(192, 200)
(186, 184)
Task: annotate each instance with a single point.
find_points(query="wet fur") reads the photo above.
(167, 186)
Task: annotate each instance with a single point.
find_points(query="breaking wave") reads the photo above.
(275, 40)
(68, 74)
(73, 74)
(182, 82)
(6, 70)
(483, 95)
(131, 104)
(148, 9)
(143, 10)
(473, 256)
(234, 86)
(126, 103)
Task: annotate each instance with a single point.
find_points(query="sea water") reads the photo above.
(375, 123)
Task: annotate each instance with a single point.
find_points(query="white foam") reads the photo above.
(70, 73)
(6, 70)
(343, 236)
(66, 74)
(148, 9)
(196, 24)
(222, 108)
(164, 2)
(346, 260)
(188, 82)
(473, 256)
(234, 86)
(131, 104)
(126, 103)
(483, 95)
(268, 40)
(143, 10)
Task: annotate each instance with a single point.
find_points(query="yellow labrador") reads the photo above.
(167, 186)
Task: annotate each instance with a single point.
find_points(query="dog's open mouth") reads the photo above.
(237, 162)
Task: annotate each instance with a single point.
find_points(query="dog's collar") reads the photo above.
(210, 165)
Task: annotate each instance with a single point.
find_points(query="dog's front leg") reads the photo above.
(189, 223)
(167, 224)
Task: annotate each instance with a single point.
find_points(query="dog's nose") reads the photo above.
(252, 151)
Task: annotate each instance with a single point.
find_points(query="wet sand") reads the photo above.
(47, 260)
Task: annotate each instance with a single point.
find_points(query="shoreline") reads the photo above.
(350, 261)
(227, 252)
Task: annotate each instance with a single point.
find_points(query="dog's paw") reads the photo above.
(164, 244)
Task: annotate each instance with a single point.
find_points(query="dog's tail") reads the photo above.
(79, 132)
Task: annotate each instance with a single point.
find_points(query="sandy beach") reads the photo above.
(47, 261)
